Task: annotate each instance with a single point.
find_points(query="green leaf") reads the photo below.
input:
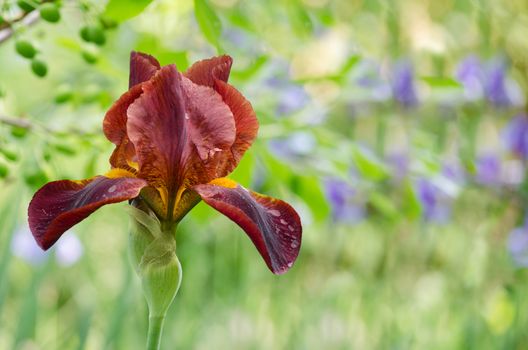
(440, 82)
(19, 132)
(50, 13)
(94, 34)
(244, 171)
(64, 94)
(384, 205)
(149, 43)
(309, 188)
(121, 10)
(369, 167)
(8, 217)
(208, 21)
(9, 154)
(25, 49)
(25, 5)
(4, 171)
(90, 56)
(251, 70)
(65, 149)
(300, 19)
(36, 178)
(410, 202)
(39, 68)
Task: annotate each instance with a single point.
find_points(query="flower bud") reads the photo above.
(160, 273)
(153, 255)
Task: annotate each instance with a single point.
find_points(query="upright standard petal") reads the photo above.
(124, 156)
(59, 205)
(273, 225)
(142, 68)
(157, 128)
(211, 123)
(115, 120)
(177, 127)
(205, 72)
(246, 123)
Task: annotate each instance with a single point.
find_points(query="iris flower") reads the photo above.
(177, 136)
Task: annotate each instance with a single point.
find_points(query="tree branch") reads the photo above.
(26, 18)
(21, 123)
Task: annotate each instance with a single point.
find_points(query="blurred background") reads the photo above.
(397, 129)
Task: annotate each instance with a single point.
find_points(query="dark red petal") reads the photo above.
(59, 205)
(124, 156)
(157, 128)
(212, 125)
(273, 225)
(246, 122)
(142, 68)
(205, 72)
(115, 120)
(175, 125)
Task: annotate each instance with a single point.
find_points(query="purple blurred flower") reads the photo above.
(488, 80)
(403, 89)
(471, 75)
(242, 41)
(454, 171)
(292, 98)
(296, 145)
(398, 164)
(436, 204)
(495, 84)
(515, 136)
(488, 169)
(369, 78)
(347, 206)
(68, 250)
(24, 246)
(512, 172)
(518, 245)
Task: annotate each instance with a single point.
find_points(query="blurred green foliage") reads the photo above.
(321, 76)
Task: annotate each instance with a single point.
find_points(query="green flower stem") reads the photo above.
(153, 255)
(154, 332)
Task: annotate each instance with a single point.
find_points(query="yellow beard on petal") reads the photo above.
(118, 172)
(224, 182)
(133, 165)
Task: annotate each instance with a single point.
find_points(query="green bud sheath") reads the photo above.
(160, 273)
(153, 255)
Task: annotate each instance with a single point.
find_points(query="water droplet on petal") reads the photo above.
(274, 212)
(112, 189)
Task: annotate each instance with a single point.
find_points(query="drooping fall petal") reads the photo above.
(59, 205)
(273, 225)
(142, 68)
(205, 72)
